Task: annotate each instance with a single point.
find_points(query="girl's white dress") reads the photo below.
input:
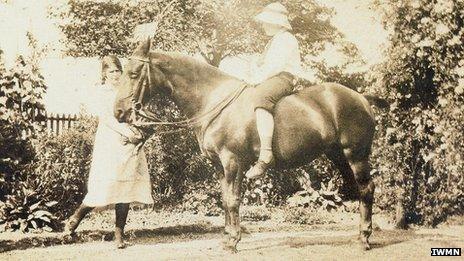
(118, 173)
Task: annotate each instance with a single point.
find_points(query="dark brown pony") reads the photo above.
(322, 119)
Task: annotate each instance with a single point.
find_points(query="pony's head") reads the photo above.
(141, 76)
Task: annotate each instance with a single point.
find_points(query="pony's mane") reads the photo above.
(192, 64)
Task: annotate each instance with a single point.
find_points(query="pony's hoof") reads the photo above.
(230, 249)
(69, 238)
(121, 245)
(69, 235)
(365, 245)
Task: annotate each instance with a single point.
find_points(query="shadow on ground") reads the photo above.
(379, 239)
(205, 230)
(141, 236)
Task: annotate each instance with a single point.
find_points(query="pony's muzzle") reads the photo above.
(118, 114)
(122, 115)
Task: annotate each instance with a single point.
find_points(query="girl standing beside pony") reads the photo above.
(119, 171)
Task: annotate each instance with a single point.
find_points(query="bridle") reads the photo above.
(145, 82)
(137, 96)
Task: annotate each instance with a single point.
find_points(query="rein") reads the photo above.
(154, 121)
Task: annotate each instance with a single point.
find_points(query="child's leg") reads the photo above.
(74, 221)
(122, 209)
(265, 126)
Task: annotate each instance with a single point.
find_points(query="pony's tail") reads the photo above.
(379, 102)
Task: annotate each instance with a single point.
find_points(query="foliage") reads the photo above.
(423, 77)
(305, 216)
(203, 198)
(255, 213)
(50, 187)
(214, 29)
(339, 74)
(61, 166)
(271, 190)
(325, 199)
(21, 91)
(24, 210)
(174, 159)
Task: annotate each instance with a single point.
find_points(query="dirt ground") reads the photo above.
(181, 237)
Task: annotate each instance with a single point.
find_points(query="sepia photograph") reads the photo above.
(231, 129)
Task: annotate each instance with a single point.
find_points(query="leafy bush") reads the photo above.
(305, 216)
(271, 190)
(325, 199)
(49, 188)
(419, 154)
(174, 158)
(24, 210)
(21, 91)
(61, 166)
(255, 213)
(203, 198)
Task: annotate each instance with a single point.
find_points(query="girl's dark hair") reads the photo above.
(106, 62)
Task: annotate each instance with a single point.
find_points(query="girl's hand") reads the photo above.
(136, 138)
(124, 140)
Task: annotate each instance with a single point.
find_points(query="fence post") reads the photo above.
(58, 121)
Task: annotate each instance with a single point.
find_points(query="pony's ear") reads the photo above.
(143, 49)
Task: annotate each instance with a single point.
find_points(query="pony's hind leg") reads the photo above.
(231, 183)
(360, 166)
(349, 189)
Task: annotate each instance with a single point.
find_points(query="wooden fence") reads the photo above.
(57, 123)
(53, 123)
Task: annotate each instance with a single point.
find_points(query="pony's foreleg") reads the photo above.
(231, 184)
(224, 204)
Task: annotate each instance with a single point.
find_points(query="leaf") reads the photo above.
(428, 157)
(331, 203)
(328, 193)
(3, 100)
(46, 219)
(51, 203)
(35, 206)
(325, 204)
(330, 186)
(34, 224)
(41, 213)
(17, 210)
(47, 228)
(337, 199)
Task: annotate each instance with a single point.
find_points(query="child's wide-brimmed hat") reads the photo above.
(276, 14)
